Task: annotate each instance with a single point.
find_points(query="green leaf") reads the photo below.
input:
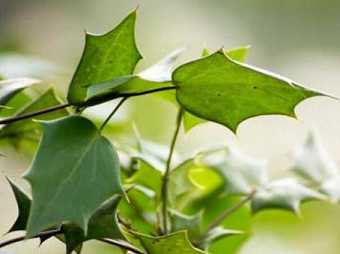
(167, 244)
(216, 234)
(222, 90)
(190, 121)
(154, 77)
(181, 189)
(313, 163)
(191, 223)
(72, 161)
(237, 54)
(284, 194)
(147, 176)
(104, 58)
(139, 210)
(103, 224)
(241, 173)
(241, 220)
(10, 87)
(24, 205)
(28, 129)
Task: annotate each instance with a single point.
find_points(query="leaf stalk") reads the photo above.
(224, 215)
(120, 103)
(165, 180)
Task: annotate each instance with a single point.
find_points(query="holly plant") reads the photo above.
(137, 197)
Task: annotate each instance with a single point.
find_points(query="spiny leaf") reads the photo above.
(103, 224)
(24, 204)
(156, 76)
(72, 159)
(313, 163)
(104, 58)
(222, 90)
(283, 194)
(10, 87)
(167, 244)
(237, 54)
(242, 174)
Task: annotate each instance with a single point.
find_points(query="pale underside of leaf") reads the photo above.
(156, 76)
(313, 163)
(10, 87)
(284, 194)
(241, 173)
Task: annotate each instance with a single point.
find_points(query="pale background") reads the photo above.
(298, 39)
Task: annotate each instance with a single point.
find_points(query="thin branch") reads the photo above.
(230, 211)
(22, 238)
(58, 107)
(118, 243)
(122, 244)
(33, 114)
(120, 103)
(156, 90)
(165, 182)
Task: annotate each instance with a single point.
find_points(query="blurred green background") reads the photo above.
(296, 38)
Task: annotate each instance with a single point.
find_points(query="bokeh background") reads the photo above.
(298, 39)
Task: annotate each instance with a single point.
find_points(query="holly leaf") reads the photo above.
(228, 92)
(166, 244)
(312, 162)
(10, 87)
(103, 224)
(284, 194)
(88, 161)
(24, 205)
(237, 54)
(105, 57)
(154, 77)
(242, 174)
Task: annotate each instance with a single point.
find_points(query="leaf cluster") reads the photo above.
(83, 186)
